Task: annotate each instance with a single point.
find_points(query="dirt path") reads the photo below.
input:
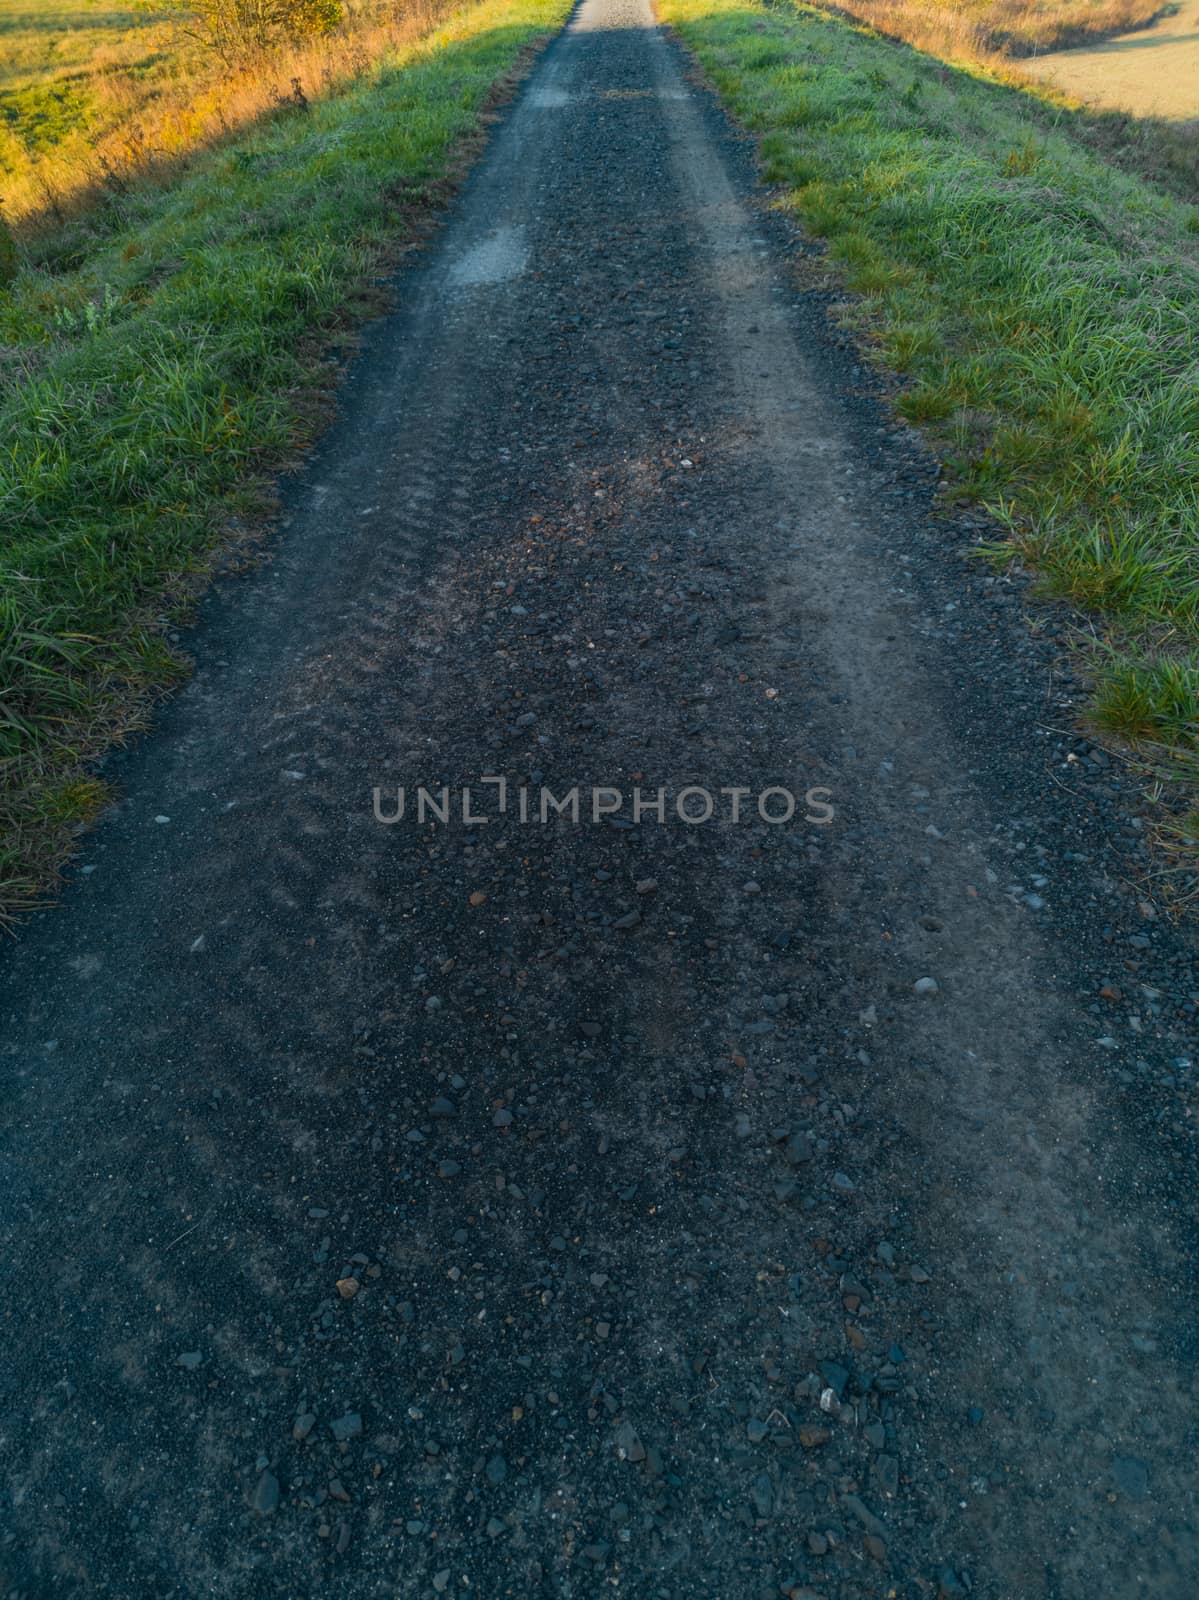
(689, 1243)
(1153, 72)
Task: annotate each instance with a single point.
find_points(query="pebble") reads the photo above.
(886, 1471)
(266, 1494)
(1131, 1476)
(762, 1495)
(926, 986)
(348, 1426)
(857, 1507)
(628, 1445)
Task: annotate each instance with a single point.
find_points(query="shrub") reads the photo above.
(236, 29)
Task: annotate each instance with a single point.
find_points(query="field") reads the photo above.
(93, 94)
(984, 29)
(70, 72)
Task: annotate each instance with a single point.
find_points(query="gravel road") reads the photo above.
(729, 1208)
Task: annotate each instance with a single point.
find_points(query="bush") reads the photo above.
(240, 28)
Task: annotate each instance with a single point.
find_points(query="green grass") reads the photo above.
(158, 354)
(1041, 306)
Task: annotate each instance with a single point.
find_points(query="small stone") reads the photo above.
(266, 1494)
(189, 1360)
(1131, 1476)
(762, 1495)
(646, 885)
(497, 1471)
(843, 1182)
(628, 1445)
(347, 1288)
(303, 1426)
(348, 1426)
(756, 1430)
(812, 1435)
(858, 1508)
(441, 1580)
(926, 986)
(798, 1149)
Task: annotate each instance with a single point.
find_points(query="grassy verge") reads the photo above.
(1041, 306)
(154, 363)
